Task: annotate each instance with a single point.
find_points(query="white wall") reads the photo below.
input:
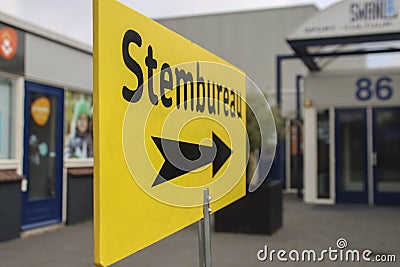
(57, 64)
(310, 155)
(339, 89)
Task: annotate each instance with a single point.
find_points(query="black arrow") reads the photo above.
(182, 157)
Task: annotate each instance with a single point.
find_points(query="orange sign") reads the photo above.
(40, 110)
(8, 43)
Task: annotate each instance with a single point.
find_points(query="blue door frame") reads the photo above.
(43, 210)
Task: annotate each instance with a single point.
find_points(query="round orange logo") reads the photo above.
(40, 110)
(8, 43)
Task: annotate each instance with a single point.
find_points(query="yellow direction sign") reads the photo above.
(169, 122)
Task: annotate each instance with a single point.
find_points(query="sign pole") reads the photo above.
(201, 242)
(204, 233)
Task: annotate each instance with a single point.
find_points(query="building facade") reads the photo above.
(315, 159)
(352, 137)
(351, 116)
(45, 125)
(46, 105)
(46, 149)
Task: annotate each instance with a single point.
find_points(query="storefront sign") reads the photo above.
(352, 18)
(8, 42)
(11, 50)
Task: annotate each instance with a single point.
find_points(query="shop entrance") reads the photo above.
(367, 146)
(43, 139)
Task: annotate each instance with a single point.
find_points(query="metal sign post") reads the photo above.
(204, 233)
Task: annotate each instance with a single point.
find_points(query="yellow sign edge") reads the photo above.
(96, 130)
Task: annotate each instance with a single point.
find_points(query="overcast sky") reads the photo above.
(73, 18)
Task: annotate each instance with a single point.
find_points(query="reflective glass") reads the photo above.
(42, 145)
(387, 146)
(351, 150)
(7, 121)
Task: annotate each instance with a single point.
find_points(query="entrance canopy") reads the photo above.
(349, 27)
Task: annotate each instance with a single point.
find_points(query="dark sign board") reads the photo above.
(12, 49)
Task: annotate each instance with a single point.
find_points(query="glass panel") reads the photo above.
(296, 153)
(387, 141)
(7, 120)
(294, 175)
(42, 145)
(78, 113)
(323, 153)
(351, 150)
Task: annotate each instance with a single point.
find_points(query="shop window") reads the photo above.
(79, 124)
(323, 153)
(7, 118)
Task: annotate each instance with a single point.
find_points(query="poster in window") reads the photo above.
(78, 113)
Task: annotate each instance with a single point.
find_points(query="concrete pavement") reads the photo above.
(315, 227)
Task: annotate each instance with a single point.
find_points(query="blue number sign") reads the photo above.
(367, 88)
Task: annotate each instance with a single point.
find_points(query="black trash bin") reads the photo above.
(80, 195)
(10, 205)
(259, 212)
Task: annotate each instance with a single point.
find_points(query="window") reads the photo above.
(7, 118)
(323, 153)
(78, 116)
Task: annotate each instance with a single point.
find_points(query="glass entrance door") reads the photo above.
(368, 170)
(351, 156)
(386, 155)
(43, 135)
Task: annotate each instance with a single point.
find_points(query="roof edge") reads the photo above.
(45, 33)
(233, 12)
